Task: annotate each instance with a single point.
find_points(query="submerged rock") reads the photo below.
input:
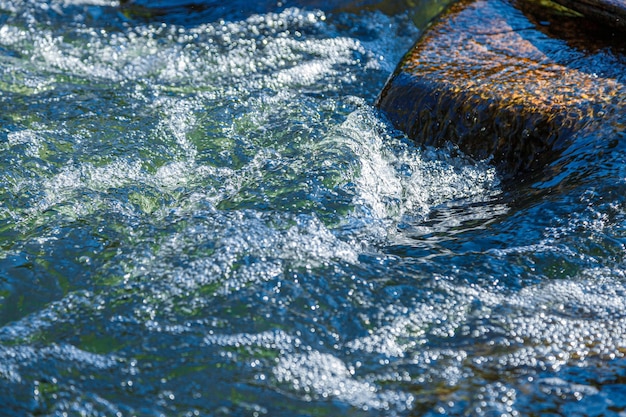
(516, 81)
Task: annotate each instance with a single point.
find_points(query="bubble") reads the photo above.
(325, 376)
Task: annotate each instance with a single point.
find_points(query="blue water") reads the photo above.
(209, 218)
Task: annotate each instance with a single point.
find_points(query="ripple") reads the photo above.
(212, 219)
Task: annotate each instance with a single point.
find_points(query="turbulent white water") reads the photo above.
(212, 219)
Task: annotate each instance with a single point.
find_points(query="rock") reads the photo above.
(514, 81)
(611, 12)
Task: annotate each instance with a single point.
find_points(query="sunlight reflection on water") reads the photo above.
(213, 220)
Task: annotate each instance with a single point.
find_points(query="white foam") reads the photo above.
(321, 375)
(395, 180)
(267, 251)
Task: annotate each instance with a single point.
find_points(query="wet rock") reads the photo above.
(611, 12)
(514, 81)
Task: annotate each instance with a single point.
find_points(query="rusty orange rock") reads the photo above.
(512, 81)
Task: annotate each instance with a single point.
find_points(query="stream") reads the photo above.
(208, 217)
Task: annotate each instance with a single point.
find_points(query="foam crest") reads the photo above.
(278, 340)
(518, 336)
(321, 375)
(30, 138)
(244, 248)
(66, 189)
(179, 120)
(394, 179)
(19, 355)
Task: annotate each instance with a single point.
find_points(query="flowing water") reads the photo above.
(208, 217)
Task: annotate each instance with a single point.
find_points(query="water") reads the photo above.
(209, 218)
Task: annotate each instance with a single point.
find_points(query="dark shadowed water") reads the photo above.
(209, 218)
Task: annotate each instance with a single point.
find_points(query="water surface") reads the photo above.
(204, 217)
